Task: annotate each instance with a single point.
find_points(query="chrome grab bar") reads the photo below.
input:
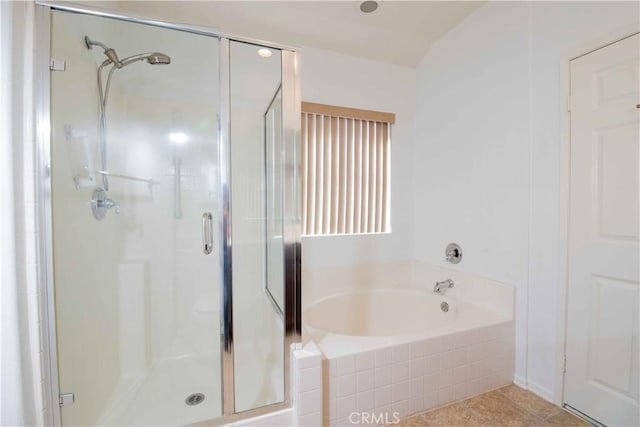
(207, 233)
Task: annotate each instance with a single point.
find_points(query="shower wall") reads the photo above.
(133, 291)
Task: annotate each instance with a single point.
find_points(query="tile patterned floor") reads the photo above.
(509, 406)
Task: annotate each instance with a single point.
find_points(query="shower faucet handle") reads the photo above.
(100, 204)
(111, 204)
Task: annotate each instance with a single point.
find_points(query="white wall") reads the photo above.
(487, 152)
(11, 405)
(560, 29)
(471, 162)
(22, 368)
(337, 79)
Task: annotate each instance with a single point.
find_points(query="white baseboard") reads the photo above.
(534, 388)
(544, 393)
(520, 382)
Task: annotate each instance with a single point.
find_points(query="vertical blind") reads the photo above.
(346, 170)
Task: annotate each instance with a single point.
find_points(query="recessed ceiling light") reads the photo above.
(265, 53)
(369, 6)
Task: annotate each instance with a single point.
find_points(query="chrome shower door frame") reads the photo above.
(42, 110)
(292, 236)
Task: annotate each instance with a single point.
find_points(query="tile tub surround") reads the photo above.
(507, 406)
(307, 386)
(413, 377)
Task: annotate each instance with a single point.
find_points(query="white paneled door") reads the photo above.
(602, 331)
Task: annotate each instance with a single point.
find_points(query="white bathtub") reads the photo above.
(380, 313)
(396, 352)
(352, 322)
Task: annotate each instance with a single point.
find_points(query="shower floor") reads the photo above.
(158, 399)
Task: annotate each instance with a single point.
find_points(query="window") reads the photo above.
(346, 170)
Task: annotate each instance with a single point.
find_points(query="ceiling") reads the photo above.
(399, 32)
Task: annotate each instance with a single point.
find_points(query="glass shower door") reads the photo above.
(134, 199)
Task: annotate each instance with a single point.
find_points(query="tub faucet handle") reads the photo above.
(441, 286)
(453, 253)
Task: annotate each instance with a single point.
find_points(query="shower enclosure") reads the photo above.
(170, 223)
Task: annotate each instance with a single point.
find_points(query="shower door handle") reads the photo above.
(207, 233)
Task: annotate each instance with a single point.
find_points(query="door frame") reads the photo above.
(290, 81)
(565, 194)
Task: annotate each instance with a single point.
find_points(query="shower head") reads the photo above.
(111, 54)
(153, 58)
(157, 58)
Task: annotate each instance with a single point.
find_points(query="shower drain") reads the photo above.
(194, 399)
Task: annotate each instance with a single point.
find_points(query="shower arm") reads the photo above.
(111, 54)
(90, 43)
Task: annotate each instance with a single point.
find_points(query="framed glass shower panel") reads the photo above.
(134, 173)
(256, 215)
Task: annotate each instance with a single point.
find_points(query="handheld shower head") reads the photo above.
(153, 58)
(157, 58)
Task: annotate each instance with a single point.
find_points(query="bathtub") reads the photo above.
(392, 353)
